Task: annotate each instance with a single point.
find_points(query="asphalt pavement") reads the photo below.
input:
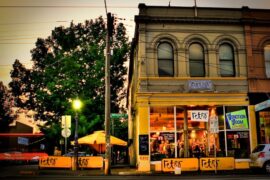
(7, 172)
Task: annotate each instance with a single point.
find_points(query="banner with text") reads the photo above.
(186, 164)
(199, 115)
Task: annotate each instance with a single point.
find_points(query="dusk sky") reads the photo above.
(23, 21)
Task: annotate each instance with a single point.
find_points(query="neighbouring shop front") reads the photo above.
(184, 131)
(263, 121)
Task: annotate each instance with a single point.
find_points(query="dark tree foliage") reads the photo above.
(21, 85)
(70, 64)
(6, 104)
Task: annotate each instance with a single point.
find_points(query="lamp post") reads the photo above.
(76, 104)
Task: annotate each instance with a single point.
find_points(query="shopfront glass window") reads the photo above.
(180, 119)
(238, 144)
(237, 130)
(162, 145)
(236, 118)
(161, 118)
(221, 119)
(162, 133)
(264, 127)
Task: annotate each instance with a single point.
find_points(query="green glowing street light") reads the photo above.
(76, 105)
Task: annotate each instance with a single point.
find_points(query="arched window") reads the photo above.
(165, 59)
(226, 60)
(267, 60)
(196, 60)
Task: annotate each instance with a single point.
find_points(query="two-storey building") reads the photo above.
(188, 84)
(257, 37)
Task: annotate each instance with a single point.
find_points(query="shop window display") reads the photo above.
(174, 133)
(264, 127)
(237, 131)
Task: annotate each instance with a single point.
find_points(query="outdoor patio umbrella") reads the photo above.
(97, 141)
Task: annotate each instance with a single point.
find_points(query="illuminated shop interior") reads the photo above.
(173, 133)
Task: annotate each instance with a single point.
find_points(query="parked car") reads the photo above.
(260, 158)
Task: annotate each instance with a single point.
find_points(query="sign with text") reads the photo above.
(55, 162)
(143, 144)
(237, 119)
(66, 162)
(220, 163)
(199, 115)
(66, 121)
(213, 124)
(186, 164)
(23, 141)
(200, 85)
(262, 105)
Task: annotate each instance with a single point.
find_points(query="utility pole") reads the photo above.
(107, 169)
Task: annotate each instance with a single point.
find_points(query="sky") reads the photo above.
(23, 21)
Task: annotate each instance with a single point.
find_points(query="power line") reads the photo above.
(17, 43)
(71, 6)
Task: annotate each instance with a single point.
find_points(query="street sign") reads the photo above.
(214, 124)
(118, 116)
(66, 121)
(66, 132)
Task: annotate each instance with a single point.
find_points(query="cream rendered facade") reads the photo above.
(181, 27)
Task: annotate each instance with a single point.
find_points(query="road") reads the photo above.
(148, 177)
(31, 172)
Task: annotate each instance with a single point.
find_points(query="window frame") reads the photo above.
(266, 61)
(201, 61)
(168, 60)
(231, 61)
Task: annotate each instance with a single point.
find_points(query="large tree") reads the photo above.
(70, 64)
(20, 85)
(6, 104)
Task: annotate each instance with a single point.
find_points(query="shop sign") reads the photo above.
(200, 85)
(220, 163)
(90, 162)
(55, 162)
(143, 144)
(199, 115)
(237, 119)
(66, 162)
(186, 164)
(262, 105)
(23, 141)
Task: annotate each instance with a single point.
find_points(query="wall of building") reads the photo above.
(182, 26)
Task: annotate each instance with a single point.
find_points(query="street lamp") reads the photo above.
(76, 104)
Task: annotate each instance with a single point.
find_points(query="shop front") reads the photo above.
(263, 121)
(186, 132)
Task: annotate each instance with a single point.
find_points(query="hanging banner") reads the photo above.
(237, 119)
(199, 115)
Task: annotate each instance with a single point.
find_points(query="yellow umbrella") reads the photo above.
(97, 140)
